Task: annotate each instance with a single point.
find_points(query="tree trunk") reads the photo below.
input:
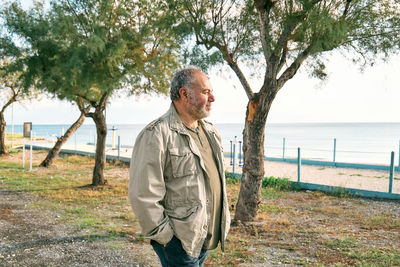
(101, 129)
(53, 153)
(3, 147)
(253, 153)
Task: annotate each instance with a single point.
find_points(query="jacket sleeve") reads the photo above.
(147, 187)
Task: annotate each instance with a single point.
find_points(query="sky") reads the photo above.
(348, 95)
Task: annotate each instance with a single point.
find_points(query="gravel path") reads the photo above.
(34, 237)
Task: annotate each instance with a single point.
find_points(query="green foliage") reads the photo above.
(12, 150)
(245, 32)
(87, 51)
(11, 91)
(232, 179)
(340, 192)
(89, 48)
(273, 39)
(281, 184)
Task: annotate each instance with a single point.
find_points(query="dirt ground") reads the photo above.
(295, 228)
(34, 237)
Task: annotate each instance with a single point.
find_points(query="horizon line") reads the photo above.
(302, 122)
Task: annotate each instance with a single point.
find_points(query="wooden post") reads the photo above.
(298, 165)
(391, 172)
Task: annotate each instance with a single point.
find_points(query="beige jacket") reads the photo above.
(167, 186)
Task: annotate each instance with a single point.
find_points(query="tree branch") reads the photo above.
(283, 59)
(292, 69)
(92, 103)
(103, 101)
(10, 101)
(346, 8)
(241, 77)
(89, 115)
(264, 8)
(77, 17)
(80, 102)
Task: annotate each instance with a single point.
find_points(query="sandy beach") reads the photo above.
(374, 180)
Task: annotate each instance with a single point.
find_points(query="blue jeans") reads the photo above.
(173, 254)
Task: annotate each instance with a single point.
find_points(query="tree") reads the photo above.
(55, 150)
(93, 49)
(277, 38)
(11, 92)
(8, 48)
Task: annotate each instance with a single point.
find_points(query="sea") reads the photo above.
(370, 143)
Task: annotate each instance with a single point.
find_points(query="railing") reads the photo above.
(318, 156)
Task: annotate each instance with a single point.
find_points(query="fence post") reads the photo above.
(391, 172)
(119, 147)
(334, 150)
(231, 155)
(234, 157)
(30, 154)
(240, 154)
(398, 168)
(23, 152)
(283, 148)
(298, 165)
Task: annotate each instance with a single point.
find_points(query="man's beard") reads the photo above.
(197, 110)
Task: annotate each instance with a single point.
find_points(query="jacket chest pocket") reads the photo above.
(183, 162)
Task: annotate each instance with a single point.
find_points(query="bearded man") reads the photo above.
(177, 184)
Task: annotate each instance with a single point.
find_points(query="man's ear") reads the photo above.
(183, 93)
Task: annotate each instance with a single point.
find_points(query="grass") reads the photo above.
(382, 221)
(17, 136)
(302, 228)
(340, 192)
(343, 245)
(376, 257)
(65, 189)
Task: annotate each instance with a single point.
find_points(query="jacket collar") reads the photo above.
(175, 122)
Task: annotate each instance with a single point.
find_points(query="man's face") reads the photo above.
(200, 97)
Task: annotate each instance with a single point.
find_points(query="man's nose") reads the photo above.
(211, 97)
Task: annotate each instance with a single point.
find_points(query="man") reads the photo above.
(177, 183)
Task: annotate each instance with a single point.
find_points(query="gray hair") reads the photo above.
(182, 78)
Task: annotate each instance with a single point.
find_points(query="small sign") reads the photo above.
(27, 129)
